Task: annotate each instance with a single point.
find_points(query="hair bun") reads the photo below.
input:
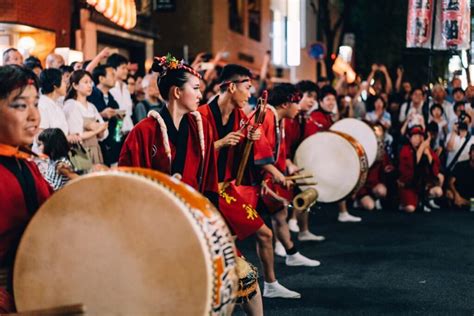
(157, 67)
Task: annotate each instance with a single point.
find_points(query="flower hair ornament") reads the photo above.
(170, 62)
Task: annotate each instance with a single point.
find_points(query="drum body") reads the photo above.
(127, 243)
(362, 133)
(337, 162)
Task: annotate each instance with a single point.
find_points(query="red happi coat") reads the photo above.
(317, 121)
(145, 148)
(375, 175)
(239, 212)
(413, 173)
(274, 134)
(16, 212)
(294, 132)
(229, 157)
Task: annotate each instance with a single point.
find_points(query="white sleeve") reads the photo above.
(44, 117)
(74, 118)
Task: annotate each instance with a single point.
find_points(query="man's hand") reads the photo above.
(292, 168)
(105, 53)
(108, 113)
(74, 138)
(230, 139)
(254, 134)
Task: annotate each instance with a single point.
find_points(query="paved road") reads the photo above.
(391, 263)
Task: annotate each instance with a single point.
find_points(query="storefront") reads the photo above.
(33, 26)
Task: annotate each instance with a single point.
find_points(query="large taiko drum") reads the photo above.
(337, 162)
(362, 133)
(128, 242)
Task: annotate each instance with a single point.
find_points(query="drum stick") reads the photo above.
(298, 171)
(306, 183)
(298, 177)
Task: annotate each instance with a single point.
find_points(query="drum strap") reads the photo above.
(456, 157)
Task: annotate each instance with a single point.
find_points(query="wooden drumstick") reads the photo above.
(299, 177)
(306, 183)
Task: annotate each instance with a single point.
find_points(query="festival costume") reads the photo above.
(375, 176)
(277, 196)
(415, 177)
(317, 121)
(22, 191)
(239, 212)
(155, 143)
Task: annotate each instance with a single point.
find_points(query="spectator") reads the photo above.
(461, 183)
(458, 144)
(34, 64)
(437, 117)
(153, 99)
(379, 114)
(83, 117)
(54, 61)
(438, 94)
(120, 92)
(414, 106)
(132, 88)
(53, 87)
(104, 79)
(459, 114)
(12, 56)
(459, 95)
(53, 143)
(419, 172)
(76, 65)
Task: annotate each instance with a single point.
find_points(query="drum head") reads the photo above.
(362, 133)
(333, 162)
(120, 244)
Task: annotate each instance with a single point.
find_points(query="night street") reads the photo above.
(391, 263)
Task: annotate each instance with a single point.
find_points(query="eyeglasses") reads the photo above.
(234, 81)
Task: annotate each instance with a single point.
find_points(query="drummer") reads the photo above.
(226, 117)
(321, 120)
(22, 189)
(294, 135)
(178, 140)
(277, 191)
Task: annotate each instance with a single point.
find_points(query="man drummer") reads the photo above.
(321, 120)
(294, 135)
(277, 191)
(226, 118)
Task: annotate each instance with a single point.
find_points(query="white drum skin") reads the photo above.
(361, 132)
(338, 166)
(137, 247)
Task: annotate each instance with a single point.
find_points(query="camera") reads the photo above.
(462, 116)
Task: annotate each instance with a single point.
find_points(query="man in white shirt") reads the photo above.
(438, 94)
(455, 141)
(120, 91)
(415, 106)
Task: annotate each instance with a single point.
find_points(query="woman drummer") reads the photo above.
(177, 140)
(22, 189)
